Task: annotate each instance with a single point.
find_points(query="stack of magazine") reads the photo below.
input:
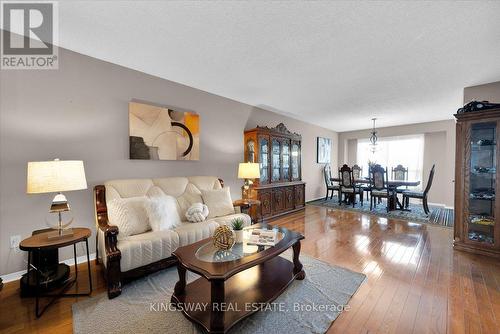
(262, 237)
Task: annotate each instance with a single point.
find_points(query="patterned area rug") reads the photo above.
(307, 306)
(439, 215)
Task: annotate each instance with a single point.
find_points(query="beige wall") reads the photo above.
(81, 112)
(439, 149)
(487, 92)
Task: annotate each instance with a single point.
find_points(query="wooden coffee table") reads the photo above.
(235, 283)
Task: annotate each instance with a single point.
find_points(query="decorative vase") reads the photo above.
(238, 236)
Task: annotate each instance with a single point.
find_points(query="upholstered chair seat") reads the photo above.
(414, 194)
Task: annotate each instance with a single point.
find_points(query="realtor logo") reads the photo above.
(29, 32)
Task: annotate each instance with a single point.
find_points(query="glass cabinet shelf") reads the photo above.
(482, 183)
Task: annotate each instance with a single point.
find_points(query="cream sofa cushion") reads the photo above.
(162, 213)
(227, 220)
(130, 215)
(190, 196)
(218, 201)
(193, 232)
(142, 249)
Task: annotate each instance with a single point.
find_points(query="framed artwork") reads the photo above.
(161, 133)
(324, 150)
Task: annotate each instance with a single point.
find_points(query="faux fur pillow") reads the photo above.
(129, 214)
(218, 201)
(162, 213)
(197, 213)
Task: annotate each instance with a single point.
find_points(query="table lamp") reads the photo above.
(248, 171)
(56, 176)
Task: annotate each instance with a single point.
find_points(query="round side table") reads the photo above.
(246, 204)
(41, 241)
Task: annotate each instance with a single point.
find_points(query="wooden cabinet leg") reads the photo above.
(298, 270)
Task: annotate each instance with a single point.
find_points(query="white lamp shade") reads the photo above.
(248, 170)
(55, 176)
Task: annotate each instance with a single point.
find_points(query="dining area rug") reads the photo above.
(438, 215)
(307, 306)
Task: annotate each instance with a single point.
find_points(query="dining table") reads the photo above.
(393, 202)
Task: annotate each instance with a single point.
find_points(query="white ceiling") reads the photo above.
(335, 64)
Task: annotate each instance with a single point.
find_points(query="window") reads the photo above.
(392, 151)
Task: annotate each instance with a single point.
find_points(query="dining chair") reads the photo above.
(420, 194)
(357, 173)
(378, 186)
(399, 173)
(330, 186)
(348, 186)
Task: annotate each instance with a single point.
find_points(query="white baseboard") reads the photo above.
(70, 262)
(315, 199)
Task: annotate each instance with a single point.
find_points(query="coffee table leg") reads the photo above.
(297, 266)
(180, 286)
(217, 301)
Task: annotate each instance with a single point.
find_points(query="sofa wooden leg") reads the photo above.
(113, 280)
(113, 276)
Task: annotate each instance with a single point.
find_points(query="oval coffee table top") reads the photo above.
(42, 241)
(200, 258)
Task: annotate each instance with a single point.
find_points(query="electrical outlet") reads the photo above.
(15, 240)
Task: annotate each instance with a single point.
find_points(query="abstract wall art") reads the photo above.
(161, 133)
(324, 150)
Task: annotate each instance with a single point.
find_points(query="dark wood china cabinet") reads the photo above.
(476, 206)
(278, 152)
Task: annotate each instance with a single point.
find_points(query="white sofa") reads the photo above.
(129, 257)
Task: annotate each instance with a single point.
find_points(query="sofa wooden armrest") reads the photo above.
(113, 254)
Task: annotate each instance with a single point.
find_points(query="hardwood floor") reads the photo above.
(415, 282)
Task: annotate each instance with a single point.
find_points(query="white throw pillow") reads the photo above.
(190, 196)
(162, 213)
(129, 214)
(197, 213)
(218, 201)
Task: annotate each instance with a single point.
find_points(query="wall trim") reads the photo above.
(70, 262)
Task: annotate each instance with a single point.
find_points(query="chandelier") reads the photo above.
(373, 137)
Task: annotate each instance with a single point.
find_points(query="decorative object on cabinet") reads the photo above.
(248, 171)
(56, 176)
(279, 188)
(478, 106)
(323, 150)
(476, 180)
(160, 133)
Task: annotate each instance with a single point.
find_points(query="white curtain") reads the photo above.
(392, 151)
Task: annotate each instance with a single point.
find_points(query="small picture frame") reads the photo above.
(324, 150)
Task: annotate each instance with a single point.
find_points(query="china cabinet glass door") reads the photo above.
(264, 160)
(295, 161)
(275, 161)
(482, 183)
(286, 160)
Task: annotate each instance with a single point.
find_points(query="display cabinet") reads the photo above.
(278, 151)
(476, 205)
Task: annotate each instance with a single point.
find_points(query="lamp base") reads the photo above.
(58, 234)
